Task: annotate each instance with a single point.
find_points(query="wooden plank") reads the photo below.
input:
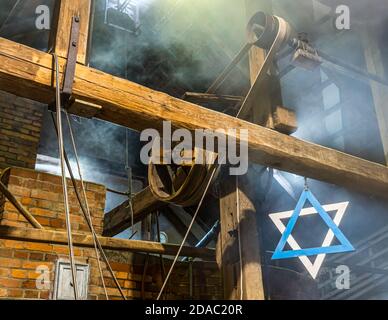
(67, 10)
(119, 219)
(28, 73)
(84, 240)
(375, 66)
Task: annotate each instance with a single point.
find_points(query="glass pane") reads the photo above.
(27, 21)
(169, 45)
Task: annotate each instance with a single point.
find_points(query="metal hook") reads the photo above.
(306, 186)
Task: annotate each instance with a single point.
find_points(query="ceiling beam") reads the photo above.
(28, 73)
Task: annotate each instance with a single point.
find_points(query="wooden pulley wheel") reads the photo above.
(184, 184)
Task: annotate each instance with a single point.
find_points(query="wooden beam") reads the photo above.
(179, 226)
(119, 219)
(67, 10)
(28, 73)
(238, 247)
(84, 240)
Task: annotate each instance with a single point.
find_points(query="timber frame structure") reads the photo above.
(30, 73)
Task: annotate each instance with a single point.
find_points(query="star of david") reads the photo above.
(320, 252)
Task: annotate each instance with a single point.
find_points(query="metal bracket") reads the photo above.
(72, 56)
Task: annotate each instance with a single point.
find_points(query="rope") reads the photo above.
(274, 48)
(129, 176)
(239, 239)
(187, 233)
(85, 215)
(64, 181)
(89, 216)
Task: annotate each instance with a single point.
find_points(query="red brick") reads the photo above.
(10, 283)
(39, 247)
(10, 263)
(57, 223)
(36, 256)
(18, 274)
(15, 293)
(21, 255)
(24, 173)
(31, 294)
(28, 284)
(45, 295)
(44, 195)
(6, 253)
(120, 267)
(50, 257)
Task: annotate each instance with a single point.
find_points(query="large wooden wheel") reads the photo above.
(182, 185)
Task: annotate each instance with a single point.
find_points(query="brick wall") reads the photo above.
(20, 127)
(19, 263)
(41, 194)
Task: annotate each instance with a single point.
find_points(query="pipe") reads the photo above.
(209, 237)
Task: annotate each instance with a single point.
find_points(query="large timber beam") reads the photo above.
(120, 218)
(86, 241)
(28, 73)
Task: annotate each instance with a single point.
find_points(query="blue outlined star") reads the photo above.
(302, 254)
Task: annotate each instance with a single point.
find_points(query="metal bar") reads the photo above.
(68, 81)
(365, 74)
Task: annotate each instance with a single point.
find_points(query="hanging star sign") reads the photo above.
(320, 252)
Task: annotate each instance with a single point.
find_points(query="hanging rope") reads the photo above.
(239, 238)
(88, 222)
(89, 216)
(187, 233)
(64, 181)
(129, 176)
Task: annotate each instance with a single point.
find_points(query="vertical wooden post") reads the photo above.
(238, 214)
(262, 110)
(375, 65)
(68, 9)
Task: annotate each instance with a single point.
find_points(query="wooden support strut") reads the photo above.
(120, 219)
(16, 203)
(28, 73)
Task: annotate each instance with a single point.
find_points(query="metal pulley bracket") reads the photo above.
(74, 106)
(72, 55)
